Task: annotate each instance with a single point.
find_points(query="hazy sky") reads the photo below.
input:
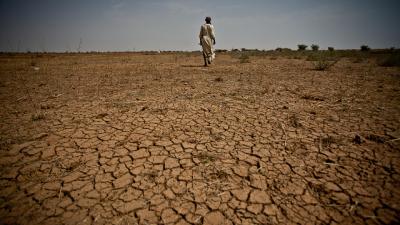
(119, 25)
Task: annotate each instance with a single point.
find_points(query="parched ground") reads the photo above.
(158, 139)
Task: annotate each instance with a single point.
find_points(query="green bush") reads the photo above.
(331, 49)
(302, 47)
(315, 47)
(365, 48)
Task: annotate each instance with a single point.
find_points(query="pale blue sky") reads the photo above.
(119, 25)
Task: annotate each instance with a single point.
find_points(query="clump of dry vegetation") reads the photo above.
(358, 59)
(323, 64)
(390, 61)
(294, 121)
(37, 116)
(329, 140)
(218, 79)
(206, 157)
(322, 60)
(244, 58)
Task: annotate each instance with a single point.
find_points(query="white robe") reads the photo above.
(207, 35)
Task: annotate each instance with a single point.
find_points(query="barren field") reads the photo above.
(130, 138)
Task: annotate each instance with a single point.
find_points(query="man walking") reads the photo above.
(207, 40)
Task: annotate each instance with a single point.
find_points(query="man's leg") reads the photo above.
(205, 59)
(212, 56)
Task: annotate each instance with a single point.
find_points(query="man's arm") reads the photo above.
(213, 34)
(201, 33)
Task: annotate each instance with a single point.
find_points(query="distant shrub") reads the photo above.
(365, 48)
(390, 61)
(302, 47)
(221, 50)
(279, 49)
(250, 50)
(331, 49)
(315, 47)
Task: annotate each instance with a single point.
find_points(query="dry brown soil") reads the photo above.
(159, 139)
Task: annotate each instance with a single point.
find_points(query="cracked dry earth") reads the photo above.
(156, 139)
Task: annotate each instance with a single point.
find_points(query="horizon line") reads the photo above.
(192, 51)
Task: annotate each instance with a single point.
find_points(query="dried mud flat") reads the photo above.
(158, 139)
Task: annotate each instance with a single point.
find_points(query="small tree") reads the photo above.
(365, 48)
(314, 47)
(302, 47)
(331, 49)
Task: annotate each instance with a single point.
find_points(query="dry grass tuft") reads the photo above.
(218, 79)
(37, 116)
(244, 58)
